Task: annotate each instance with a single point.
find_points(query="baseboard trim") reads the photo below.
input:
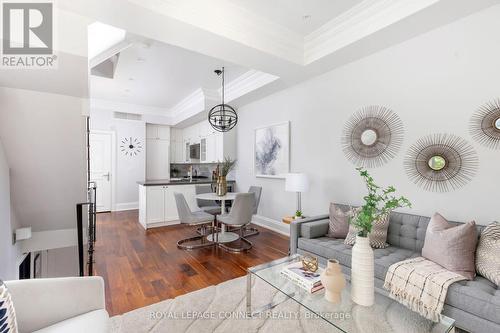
(271, 224)
(126, 206)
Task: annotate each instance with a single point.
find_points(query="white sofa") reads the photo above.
(73, 304)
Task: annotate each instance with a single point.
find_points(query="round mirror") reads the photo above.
(437, 163)
(497, 124)
(369, 137)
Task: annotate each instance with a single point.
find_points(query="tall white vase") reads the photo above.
(362, 272)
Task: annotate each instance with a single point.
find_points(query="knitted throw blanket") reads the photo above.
(421, 285)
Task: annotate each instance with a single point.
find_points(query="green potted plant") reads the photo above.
(378, 204)
(226, 166)
(298, 215)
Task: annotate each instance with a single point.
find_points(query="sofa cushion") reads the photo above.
(95, 321)
(479, 297)
(339, 221)
(407, 231)
(487, 253)
(378, 235)
(335, 248)
(451, 246)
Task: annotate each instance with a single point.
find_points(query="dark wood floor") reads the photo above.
(144, 267)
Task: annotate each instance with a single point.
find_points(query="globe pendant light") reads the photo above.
(222, 117)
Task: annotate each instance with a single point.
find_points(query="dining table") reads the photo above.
(223, 236)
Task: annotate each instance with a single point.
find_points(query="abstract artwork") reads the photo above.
(272, 151)
(372, 136)
(441, 162)
(485, 125)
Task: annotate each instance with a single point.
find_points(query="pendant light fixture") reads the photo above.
(222, 117)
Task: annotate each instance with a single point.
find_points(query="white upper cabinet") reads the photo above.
(157, 132)
(214, 146)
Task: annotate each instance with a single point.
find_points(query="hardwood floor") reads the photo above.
(144, 267)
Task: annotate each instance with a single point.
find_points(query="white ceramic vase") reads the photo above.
(362, 273)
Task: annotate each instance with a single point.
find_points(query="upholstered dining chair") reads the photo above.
(209, 206)
(239, 217)
(197, 218)
(257, 191)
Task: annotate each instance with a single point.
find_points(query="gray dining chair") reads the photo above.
(257, 191)
(209, 206)
(197, 218)
(239, 217)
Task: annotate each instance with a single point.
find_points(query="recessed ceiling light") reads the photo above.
(141, 59)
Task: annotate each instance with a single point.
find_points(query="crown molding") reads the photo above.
(358, 22)
(247, 82)
(203, 99)
(194, 102)
(224, 18)
(104, 104)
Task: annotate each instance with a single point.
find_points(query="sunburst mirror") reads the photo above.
(485, 125)
(372, 136)
(441, 162)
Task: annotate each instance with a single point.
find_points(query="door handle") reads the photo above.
(107, 176)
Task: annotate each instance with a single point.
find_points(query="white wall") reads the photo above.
(434, 82)
(44, 140)
(8, 252)
(129, 170)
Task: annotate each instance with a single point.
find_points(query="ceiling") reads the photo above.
(155, 74)
(300, 16)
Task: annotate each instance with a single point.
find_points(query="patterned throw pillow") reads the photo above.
(487, 253)
(8, 322)
(378, 235)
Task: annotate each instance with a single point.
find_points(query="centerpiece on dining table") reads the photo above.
(226, 166)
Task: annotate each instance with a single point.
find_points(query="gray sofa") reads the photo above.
(475, 305)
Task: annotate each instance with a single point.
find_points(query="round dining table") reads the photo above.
(223, 236)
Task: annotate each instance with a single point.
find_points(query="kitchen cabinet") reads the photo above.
(157, 159)
(157, 151)
(214, 146)
(157, 132)
(157, 205)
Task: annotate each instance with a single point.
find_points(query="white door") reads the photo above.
(100, 168)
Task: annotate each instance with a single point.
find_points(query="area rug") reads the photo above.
(221, 308)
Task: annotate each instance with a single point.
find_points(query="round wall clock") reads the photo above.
(131, 146)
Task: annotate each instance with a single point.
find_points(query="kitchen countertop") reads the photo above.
(163, 182)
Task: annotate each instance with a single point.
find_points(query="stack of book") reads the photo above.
(309, 281)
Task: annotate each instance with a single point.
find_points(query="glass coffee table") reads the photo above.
(345, 316)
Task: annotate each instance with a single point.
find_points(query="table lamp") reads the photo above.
(297, 182)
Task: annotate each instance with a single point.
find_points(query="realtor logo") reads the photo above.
(28, 33)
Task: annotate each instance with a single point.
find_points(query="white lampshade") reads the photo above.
(296, 182)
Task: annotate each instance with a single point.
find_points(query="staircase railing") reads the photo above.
(86, 230)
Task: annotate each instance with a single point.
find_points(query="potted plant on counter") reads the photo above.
(226, 167)
(378, 204)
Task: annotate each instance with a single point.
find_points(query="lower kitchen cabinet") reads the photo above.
(157, 205)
